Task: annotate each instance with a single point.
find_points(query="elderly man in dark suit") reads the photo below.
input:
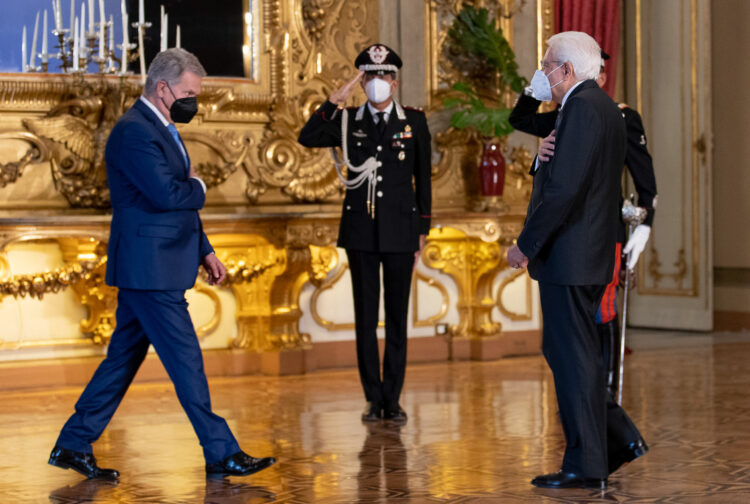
(386, 214)
(525, 117)
(156, 245)
(568, 245)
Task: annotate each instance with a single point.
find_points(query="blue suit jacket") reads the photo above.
(156, 238)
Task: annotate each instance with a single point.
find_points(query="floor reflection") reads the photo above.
(84, 491)
(477, 432)
(383, 468)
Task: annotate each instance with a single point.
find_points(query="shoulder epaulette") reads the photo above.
(623, 106)
(417, 109)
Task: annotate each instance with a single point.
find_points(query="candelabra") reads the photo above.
(107, 61)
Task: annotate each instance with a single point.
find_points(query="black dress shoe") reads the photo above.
(84, 463)
(630, 453)
(240, 464)
(395, 414)
(372, 412)
(562, 479)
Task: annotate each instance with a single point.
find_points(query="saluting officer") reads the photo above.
(385, 216)
(524, 117)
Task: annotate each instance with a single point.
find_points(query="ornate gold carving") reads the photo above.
(501, 288)
(75, 132)
(472, 264)
(90, 289)
(230, 150)
(252, 266)
(432, 282)
(36, 285)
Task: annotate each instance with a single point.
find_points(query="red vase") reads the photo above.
(492, 170)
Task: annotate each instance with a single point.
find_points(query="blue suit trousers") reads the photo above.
(159, 318)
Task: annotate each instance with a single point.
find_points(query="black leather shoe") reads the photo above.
(373, 412)
(562, 479)
(240, 464)
(630, 453)
(395, 414)
(84, 463)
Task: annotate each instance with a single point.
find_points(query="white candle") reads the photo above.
(141, 18)
(142, 54)
(162, 36)
(83, 48)
(72, 15)
(91, 16)
(125, 33)
(54, 13)
(102, 15)
(44, 39)
(111, 40)
(82, 25)
(178, 42)
(75, 44)
(165, 38)
(125, 44)
(32, 56)
(23, 50)
(101, 37)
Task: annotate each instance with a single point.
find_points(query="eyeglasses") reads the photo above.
(547, 65)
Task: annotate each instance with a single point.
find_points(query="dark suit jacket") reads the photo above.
(571, 224)
(403, 201)
(524, 117)
(156, 239)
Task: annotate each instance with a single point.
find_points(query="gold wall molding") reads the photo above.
(472, 263)
(430, 321)
(504, 283)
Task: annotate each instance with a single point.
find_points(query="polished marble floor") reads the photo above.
(477, 432)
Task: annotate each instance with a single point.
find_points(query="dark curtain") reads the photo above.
(598, 18)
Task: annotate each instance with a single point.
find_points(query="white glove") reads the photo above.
(636, 244)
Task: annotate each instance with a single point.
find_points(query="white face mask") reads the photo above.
(541, 86)
(378, 90)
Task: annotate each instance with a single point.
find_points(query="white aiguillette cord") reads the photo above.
(367, 171)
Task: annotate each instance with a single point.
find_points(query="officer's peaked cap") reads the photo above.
(378, 58)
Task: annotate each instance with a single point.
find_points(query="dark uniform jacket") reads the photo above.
(569, 234)
(524, 117)
(403, 192)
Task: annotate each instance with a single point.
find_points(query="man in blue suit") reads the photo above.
(156, 245)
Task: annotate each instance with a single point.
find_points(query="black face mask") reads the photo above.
(183, 109)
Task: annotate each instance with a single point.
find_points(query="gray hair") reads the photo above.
(169, 66)
(580, 50)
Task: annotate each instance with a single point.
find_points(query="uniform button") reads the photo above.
(348, 207)
(359, 144)
(380, 148)
(380, 178)
(380, 194)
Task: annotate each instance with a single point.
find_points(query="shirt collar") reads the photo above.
(155, 111)
(570, 91)
(374, 111)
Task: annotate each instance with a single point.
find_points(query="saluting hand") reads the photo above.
(547, 148)
(342, 94)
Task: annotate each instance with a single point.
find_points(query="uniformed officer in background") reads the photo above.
(524, 117)
(386, 213)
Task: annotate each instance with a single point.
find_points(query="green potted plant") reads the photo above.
(478, 48)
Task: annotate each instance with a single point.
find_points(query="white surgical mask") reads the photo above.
(378, 90)
(541, 86)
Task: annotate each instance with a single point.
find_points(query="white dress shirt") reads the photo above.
(374, 111)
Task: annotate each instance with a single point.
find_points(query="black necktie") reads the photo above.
(381, 122)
